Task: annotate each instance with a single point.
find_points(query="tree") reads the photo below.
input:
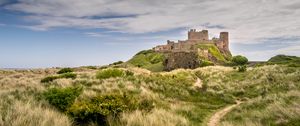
(239, 60)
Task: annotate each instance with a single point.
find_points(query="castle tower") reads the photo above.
(224, 37)
(197, 35)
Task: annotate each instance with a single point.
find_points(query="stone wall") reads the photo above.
(197, 35)
(187, 60)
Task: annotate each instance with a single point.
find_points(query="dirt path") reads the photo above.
(215, 119)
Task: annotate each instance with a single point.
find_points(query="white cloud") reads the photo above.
(246, 20)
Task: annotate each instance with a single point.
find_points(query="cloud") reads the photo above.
(248, 21)
(94, 34)
(2, 2)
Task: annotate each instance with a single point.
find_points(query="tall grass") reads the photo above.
(271, 95)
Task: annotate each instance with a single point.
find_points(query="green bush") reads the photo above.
(49, 79)
(91, 67)
(52, 78)
(242, 68)
(239, 60)
(117, 63)
(68, 75)
(65, 70)
(62, 98)
(97, 109)
(110, 73)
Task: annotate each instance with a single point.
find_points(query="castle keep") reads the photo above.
(195, 38)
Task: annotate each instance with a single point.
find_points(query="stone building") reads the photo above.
(195, 38)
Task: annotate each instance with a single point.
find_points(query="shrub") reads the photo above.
(65, 70)
(52, 78)
(242, 68)
(49, 79)
(68, 75)
(239, 60)
(109, 73)
(117, 63)
(91, 67)
(97, 109)
(62, 98)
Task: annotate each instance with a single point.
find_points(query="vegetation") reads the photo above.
(97, 109)
(112, 73)
(215, 52)
(62, 98)
(204, 63)
(148, 59)
(239, 60)
(292, 61)
(54, 77)
(65, 70)
(117, 63)
(135, 96)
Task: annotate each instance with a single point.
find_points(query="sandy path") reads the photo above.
(215, 119)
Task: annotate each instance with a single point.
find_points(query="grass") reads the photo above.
(291, 61)
(270, 94)
(214, 51)
(148, 59)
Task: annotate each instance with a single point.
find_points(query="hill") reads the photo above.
(207, 54)
(285, 59)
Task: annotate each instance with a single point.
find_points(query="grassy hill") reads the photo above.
(135, 96)
(148, 59)
(284, 59)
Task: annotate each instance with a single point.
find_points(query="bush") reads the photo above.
(117, 63)
(97, 109)
(62, 98)
(65, 70)
(242, 68)
(109, 73)
(239, 60)
(52, 78)
(68, 75)
(91, 67)
(49, 79)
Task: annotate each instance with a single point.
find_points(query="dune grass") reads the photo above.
(164, 98)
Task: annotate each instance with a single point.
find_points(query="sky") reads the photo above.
(69, 33)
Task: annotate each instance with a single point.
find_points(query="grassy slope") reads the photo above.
(149, 60)
(269, 89)
(215, 52)
(284, 59)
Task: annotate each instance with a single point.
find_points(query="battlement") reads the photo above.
(197, 35)
(194, 38)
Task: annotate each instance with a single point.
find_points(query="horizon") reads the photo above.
(47, 34)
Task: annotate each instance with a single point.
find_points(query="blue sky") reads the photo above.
(67, 33)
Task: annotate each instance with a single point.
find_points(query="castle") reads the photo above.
(195, 38)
